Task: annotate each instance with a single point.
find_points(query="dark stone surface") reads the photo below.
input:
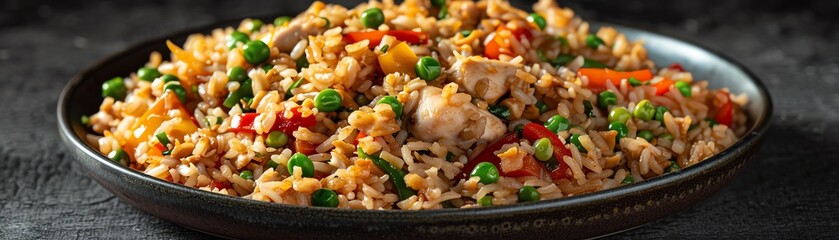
(788, 191)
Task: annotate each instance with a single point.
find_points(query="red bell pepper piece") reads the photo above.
(530, 167)
(303, 147)
(493, 50)
(360, 135)
(487, 155)
(663, 86)
(534, 132)
(725, 114)
(220, 185)
(597, 77)
(375, 37)
(244, 122)
(677, 66)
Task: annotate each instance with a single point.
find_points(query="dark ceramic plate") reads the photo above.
(583, 216)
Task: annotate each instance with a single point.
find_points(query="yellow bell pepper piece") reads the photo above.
(399, 58)
(167, 108)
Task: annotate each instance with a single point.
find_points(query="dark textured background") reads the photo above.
(789, 190)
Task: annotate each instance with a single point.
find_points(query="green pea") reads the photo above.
(647, 135)
(684, 88)
(281, 21)
(619, 114)
(85, 120)
(538, 20)
(620, 128)
(256, 24)
(438, 3)
(302, 161)
(148, 74)
(528, 194)
(542, 107)
(575, 139)
(178, 90)
(593, 41)
(628, 179)
(256, 52)
(272, 164)
(246, 174)
(361, 100)
(267, 67)
(328, 100)
(466, 33)
(170, 78)
(237, 37)
(276, 139)
(563, 59)
(327, 24)
(500, 111)
(666, 136)
(114, 88)
(163, 138)
(372, 18)
(644, 110)
(325, 197)
(543, 149)
(118, 155)
(634, 82)
(485, 201)
(394, 104)
(384, 48)
(245, 90)
(428, 68)
(444, 12)
(486, 171)
(237, 74)
(557, 123)
(294, 85)
(674, 167)
(606, 99)
(588, 63)
(659, 113)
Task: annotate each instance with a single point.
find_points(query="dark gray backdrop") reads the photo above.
(789, 190)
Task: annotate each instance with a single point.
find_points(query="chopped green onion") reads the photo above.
(593, 41)
(163, 138)
(628, 179)
(246, 174)
(500, 111)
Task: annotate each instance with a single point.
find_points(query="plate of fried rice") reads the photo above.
(434, 118)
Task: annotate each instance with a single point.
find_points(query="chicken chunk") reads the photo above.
(441, 118)
(466, 12)
(483, 78)
(286, 37)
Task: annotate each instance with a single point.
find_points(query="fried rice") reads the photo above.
(399, 133)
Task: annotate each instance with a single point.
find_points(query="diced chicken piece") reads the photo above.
(466, 12)
(483, 78)
(437, 118)
(286, 37)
